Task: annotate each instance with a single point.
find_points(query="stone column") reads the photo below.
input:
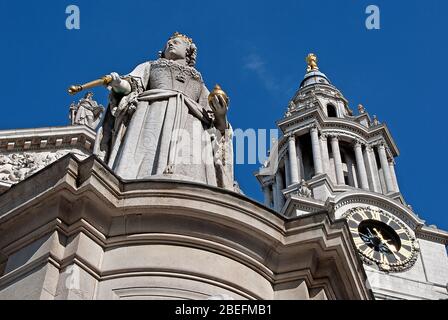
(301, 171)
(287, 171)
(361, 167)
(317, 157)
(394, 176)
(325, 155)
(275, 194)
(267, 195)
(351, 170)
(293, 165)
(386, 170)
(279, 187)
(372, 170)
(337, 160)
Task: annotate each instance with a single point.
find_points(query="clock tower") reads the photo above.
(332, 158)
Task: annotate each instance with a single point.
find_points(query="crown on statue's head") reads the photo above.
(182, 36)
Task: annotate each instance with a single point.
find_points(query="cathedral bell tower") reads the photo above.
(327, 149)
(330, 158)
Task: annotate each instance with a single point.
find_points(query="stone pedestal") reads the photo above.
(76, 231)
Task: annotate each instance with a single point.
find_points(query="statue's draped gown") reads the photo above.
(88, 113)
(170, 134)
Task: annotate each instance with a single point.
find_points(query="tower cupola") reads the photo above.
(325, 149)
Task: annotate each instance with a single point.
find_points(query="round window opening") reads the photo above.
(379, 236)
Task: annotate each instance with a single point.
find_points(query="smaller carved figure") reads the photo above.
(361, 109)
(304, 190)
(86, 112)
(291, 107)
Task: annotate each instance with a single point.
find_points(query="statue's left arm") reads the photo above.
(218, 109)
(222, 142)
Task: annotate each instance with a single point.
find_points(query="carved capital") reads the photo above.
(291, 136)
(313, 127)
(358, 143)
(334, 136)
(266, 187)
(381, 145)
(267, 182)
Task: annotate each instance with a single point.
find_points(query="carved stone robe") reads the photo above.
(164, 128)
(88, 113)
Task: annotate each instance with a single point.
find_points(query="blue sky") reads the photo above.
(256, 51)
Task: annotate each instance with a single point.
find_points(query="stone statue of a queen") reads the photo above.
(160, 122)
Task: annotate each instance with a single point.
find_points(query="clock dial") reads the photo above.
(382, 239)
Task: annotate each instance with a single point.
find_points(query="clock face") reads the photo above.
(382, 239)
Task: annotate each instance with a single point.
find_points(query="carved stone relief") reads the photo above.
(15, 167)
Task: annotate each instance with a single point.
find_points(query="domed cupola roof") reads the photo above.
(314, 77)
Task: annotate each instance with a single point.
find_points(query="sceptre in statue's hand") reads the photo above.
(112, 80)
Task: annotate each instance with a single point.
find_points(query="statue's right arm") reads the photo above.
(119, 85)
(136, 80)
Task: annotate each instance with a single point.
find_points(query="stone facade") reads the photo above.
(24, 152)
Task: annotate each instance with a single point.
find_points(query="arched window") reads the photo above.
(331, 111)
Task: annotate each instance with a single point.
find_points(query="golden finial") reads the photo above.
(311, 60)
(182, 36)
